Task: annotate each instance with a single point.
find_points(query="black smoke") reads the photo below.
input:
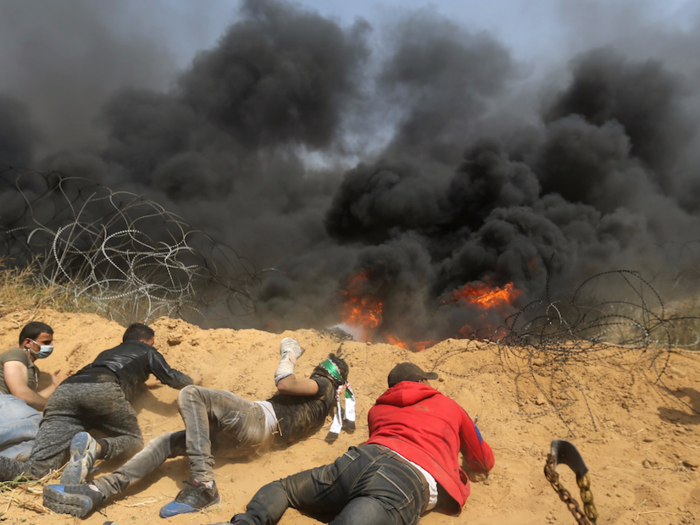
(427, 162)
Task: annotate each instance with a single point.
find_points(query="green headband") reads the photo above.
(330, 367)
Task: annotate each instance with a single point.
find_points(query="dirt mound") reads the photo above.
(639, 436)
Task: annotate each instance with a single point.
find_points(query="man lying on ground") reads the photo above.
(220, 423)
(20, 401)
(409, 465)
(96, 397)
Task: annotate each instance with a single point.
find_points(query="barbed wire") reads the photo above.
(118, 254)
(609, 316)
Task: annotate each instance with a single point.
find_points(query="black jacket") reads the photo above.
(131, 363)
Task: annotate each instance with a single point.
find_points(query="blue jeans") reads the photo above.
(365, 485)
(18, 427)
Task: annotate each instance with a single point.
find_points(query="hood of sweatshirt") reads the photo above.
(406, 393)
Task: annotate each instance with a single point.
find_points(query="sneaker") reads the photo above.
(76, 500)
(195, 496)
(83, 451)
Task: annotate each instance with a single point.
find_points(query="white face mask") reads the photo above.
(44, 350)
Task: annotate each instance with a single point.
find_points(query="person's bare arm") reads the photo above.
(292, 386)
(16, 376)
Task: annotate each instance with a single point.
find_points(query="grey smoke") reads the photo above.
(468, 170)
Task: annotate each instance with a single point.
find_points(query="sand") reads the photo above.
(638, 435)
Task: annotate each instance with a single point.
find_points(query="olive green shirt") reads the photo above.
(17, 354)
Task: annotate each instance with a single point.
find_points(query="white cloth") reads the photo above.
(432, 484)
(270, 415)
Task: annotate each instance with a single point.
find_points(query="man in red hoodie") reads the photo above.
(408, 466)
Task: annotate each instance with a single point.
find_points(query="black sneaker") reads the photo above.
(76, 500)
(195, 496)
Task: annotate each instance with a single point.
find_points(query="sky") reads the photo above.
(145, 44)
(424, 146)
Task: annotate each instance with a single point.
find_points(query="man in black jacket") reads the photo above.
(96, 397)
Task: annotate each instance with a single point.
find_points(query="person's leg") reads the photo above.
(113, 415)
(388, 492)
(60, 423)
(363, 486)
(117, 420)
(168, 445)
(320, 491)
(239, 422)
(79, 500)
(18, 428)
(236, 421)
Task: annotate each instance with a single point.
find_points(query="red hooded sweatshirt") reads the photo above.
(430, 430)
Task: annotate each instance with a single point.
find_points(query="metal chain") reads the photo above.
(584, 485)
(586, 495)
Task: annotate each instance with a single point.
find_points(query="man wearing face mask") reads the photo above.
(20, 403)
(96, 397)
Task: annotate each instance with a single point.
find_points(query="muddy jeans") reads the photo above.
(216, 422)
(74, 408)
(365, 485)
(18, 427)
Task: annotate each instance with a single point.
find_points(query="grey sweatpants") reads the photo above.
(80, 407)
(217, 423)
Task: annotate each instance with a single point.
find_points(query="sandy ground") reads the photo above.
(639, 439)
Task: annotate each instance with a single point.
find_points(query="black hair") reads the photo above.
(33, 330)
(340, 364)
(138, 332)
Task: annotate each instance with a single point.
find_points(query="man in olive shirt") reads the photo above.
(20, 403)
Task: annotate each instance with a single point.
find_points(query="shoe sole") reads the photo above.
(76, 505)
(77, 470)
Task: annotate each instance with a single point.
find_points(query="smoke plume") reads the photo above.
(428, 163)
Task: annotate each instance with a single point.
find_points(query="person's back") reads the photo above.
(429, 429)
(131, 363)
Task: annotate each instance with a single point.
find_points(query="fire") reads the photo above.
(486, 296)
(416, 346)
(361, 310)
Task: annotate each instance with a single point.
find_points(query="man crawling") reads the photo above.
(220, 423)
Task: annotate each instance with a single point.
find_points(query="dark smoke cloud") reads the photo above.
(466, 170)
(18, 135)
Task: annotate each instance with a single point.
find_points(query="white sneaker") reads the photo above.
(83, 451)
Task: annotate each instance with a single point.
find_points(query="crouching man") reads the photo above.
(96, 397)
(220, 423)
(409, 465)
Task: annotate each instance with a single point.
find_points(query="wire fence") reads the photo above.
(118, 254)
(548, 344)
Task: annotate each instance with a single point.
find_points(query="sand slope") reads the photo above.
(639, 439)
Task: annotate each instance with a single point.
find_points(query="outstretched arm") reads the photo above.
(476, 451)
(165, 373)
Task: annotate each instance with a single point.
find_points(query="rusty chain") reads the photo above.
(590, 514)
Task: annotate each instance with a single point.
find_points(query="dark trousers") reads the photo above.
(365, 485)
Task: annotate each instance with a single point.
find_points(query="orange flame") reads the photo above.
(361, 310)
(364, 311)
(486, 296)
